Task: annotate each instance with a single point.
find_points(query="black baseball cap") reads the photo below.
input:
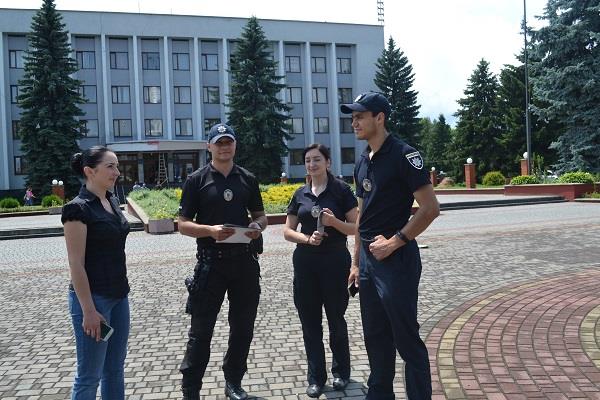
(220, 130)
(369, 101)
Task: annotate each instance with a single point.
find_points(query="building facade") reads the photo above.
(154, 84)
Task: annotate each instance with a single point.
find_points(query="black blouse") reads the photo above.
(105, 242)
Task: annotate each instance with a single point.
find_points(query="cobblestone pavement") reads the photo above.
(509, 305)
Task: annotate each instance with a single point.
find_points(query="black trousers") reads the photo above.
(388, 304)
(321, 280)
(239, 277)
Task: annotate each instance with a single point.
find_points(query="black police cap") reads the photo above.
(370, 101)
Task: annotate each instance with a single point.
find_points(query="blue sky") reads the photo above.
(443, 39)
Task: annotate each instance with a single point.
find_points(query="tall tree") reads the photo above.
(49, 125)
(567, 80)
(478, 126)
(394, 78)
(256, 114)
(435, 142)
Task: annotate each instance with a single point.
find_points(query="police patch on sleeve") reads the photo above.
(415, 160)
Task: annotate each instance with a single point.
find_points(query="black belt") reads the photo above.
(224, 253)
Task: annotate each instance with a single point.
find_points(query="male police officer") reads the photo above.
(389, 177)
(221, 193)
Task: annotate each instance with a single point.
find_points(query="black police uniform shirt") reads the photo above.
(210, 198)
(104, 244)
(386, 183)
(337, 196)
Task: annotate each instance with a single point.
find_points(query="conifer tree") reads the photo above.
(49, 126)
(436, 138)
(394, 78)
(258, 117)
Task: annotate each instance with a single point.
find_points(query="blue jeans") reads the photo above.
(100, 361)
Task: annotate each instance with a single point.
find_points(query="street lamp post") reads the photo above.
(527, 122)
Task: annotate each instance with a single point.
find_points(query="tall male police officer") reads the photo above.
(217, 194)
(389, 177)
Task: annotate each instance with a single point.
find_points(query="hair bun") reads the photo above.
(77, 163)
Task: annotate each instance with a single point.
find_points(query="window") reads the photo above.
(89, 127)
(88, 93)
(211, 95)
(346, 125)
(321, 125)
(343, 66)
(208, 123)
(347, 155)
(86, 59)
(120, 94)
(181, 61)
(292, 64)
(122, 127)
(20, 166)
(183, 127)
(15, 129)
(319, 95)
(294, 95)
(152, 94)
(153, 127)
(119, 60)
(15, 91)
(345, 95)
(210, 62)
(297, 125)
(15, 58)
(150, 60)
(296, 157)
(182, 94)
(318, 64)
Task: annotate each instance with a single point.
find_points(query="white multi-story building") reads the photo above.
(155, 83)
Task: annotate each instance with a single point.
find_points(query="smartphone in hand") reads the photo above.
(106, 331)
(352, 289)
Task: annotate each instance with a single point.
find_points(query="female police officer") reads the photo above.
(321, 265)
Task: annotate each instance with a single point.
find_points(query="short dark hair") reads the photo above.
(88, 158)
(320, 147)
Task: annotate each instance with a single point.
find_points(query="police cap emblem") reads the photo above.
(415, 160)
(222, 129)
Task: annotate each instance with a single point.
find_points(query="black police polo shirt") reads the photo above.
(386, 184)
(210, 198)
(337, 196)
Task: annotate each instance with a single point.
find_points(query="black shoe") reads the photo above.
(190, 393)
(340, 383)
(234, 391)
(314, 391)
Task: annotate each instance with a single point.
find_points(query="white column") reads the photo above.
(224, 79)
(136, 90)
(281, 72)
(309, 115)
(105, 89)
(334, 113)
(195, 63)
(4, 131)
(167, 72)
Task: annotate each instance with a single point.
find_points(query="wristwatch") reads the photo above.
(402, 237)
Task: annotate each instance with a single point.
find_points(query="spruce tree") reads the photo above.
(49, 126)
(394, 78)
(258, 117)
(478, 127)
(435, 141)
(567, 79)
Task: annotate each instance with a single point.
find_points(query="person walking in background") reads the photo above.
(29, 196)
(95, 234)
(326, 209)
(389, 176)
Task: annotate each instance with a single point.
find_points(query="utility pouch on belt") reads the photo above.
(256, 245)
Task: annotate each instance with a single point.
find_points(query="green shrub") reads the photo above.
(493, 178)
(576, 177)
(9, 202)
(51, 200)
(593, 195)
(524, 180)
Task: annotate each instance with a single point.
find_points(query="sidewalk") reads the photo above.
(50, 225)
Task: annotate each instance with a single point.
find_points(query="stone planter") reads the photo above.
(159, 226)
(55, 210)
(570, 191)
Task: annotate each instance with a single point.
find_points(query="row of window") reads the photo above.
(320, 125)
(319, 95)
(181, 61)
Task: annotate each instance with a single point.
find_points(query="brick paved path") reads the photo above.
(542, 260)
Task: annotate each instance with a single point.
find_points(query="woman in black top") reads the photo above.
(321, 265)
(95, 234)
